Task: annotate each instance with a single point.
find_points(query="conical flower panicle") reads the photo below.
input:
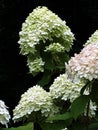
(34, 100)
(65, 89)
(43, 32)
(85, 64)
(93, 38)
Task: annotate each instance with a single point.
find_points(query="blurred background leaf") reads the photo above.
(25, 127)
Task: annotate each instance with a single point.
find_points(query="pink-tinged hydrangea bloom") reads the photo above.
(85, 64)
(4, 114)
(93, 38)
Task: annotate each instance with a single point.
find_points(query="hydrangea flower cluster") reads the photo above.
(85, 64)
(44, 31)
(34, 100)
(4, 114)
(93, 38)
(36, 65)
(55, 47)
(64, 89)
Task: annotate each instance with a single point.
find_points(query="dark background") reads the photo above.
(80, 15)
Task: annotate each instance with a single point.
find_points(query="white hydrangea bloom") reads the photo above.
(93, 109)
(55, 47)
(4, 114)
(93, 38)
(34, 100)
(42, 25)
(63, 88)
(44, 31)
(36, 65)
(85, 64)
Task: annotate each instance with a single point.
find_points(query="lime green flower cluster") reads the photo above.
(36, 65)
(55, 47)
(4, 114)
(65, 89)
(43, 32)
(36, 99)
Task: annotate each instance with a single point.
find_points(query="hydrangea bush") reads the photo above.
(71, 100)
(72, 95)
(45, 35)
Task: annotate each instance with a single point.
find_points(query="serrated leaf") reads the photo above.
(78, 105)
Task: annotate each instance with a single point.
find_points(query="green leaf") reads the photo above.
(64, 57)
(94, 91)
(25, 127)
(65, 116)
(49, 64)
(53, 126)
(78, 105)
(45, 78)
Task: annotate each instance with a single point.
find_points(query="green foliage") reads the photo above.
(28, 126)
(45, 78)
(53, 126)
(94, 92)
(78, 106)
(64, 116)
